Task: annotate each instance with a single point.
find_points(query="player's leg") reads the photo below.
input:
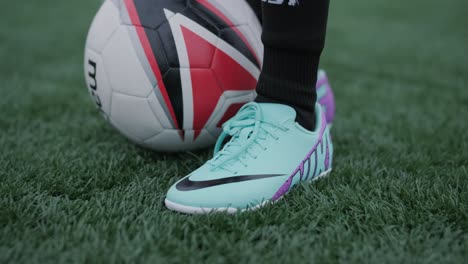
(324, 92)
(294, 37)
(268, 152)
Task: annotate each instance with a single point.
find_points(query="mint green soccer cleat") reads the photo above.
(267, 155)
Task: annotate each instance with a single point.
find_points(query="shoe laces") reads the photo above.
(248, 131)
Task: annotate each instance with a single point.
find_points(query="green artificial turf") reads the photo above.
(72, 190)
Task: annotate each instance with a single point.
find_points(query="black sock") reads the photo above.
(294, 37)
(289, 78)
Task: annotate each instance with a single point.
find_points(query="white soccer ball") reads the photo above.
(168, 73)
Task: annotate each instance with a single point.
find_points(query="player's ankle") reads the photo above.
(288, 77)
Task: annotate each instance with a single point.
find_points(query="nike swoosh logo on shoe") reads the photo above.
(189, 185)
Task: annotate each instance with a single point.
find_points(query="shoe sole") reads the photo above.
(229, 210)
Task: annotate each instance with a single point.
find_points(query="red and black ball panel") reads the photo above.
(161, 50)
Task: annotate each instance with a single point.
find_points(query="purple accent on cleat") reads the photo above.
(328, 100)
(287, 185)
(322, 81)
(283, 189)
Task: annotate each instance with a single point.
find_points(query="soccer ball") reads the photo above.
(168, 73)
